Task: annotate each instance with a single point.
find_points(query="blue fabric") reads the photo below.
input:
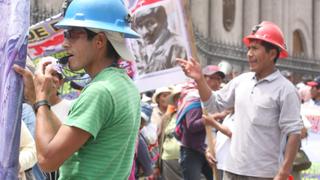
(28, 117)
(193, 163)
(146, 111)
(182, 114)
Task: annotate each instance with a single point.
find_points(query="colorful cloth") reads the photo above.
(189, 99)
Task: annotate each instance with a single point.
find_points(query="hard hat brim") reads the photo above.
(283, 52)
(68, 23)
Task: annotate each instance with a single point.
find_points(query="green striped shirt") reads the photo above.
(109, 109)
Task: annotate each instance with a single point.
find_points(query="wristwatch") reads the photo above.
(41, 103)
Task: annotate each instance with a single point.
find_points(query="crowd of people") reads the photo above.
(111, 131)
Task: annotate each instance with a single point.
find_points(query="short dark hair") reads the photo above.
(269, 47)
(90, 34)
(111, 52)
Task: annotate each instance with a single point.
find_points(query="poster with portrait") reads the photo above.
(166, 34)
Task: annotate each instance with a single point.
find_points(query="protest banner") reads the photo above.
(166, 34)
(14, 17)
(46, 40)
(311, 144)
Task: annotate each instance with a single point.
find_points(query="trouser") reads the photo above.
(230, 176)
(171, 170)
(193, 163)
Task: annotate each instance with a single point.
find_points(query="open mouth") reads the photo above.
(65, 59)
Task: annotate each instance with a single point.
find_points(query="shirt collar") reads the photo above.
(270, 77)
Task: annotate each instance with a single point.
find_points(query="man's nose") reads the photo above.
(249, 53)
(144, 30)
(66, 43)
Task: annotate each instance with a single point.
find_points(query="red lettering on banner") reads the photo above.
(315, 122)
(40, 48)
(141, 3)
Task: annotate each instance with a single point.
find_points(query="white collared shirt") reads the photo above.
(266, 111)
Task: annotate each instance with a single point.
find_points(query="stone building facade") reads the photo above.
(220, 25)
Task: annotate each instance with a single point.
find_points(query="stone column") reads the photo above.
(316, 30)
(200, 12)
(251, 15)
(200, 16)
(218, 31)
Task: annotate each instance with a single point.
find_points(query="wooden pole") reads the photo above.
(210, 140)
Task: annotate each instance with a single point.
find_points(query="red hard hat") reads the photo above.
(268, 32)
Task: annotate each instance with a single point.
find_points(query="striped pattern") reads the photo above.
(109, 109)
(189, 99)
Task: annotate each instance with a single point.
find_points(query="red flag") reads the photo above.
(142, 3)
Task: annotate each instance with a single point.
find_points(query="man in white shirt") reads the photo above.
(267, 109)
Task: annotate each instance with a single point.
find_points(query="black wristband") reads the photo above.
(40, 103)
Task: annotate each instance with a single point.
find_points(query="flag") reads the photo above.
(13, 42)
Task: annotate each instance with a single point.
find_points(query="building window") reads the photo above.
(298, 46)
(229, 8)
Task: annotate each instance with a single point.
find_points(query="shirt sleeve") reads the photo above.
(221, 99)
(290, 120)
(92, 110)
(194, 120)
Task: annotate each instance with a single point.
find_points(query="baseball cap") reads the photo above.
(213, 69)
(315, 82)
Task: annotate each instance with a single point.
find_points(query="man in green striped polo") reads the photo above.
(97, 140)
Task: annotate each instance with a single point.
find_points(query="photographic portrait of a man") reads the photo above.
(158, 46)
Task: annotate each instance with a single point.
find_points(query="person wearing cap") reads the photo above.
(148, 129)
(97, 140)
(158, 47)
(143, 159)
(192, 151)
(267, 128)
(161, 99)
(304, 89)
(310, 113)
(169, 145)
(314, 91)
(214, 76)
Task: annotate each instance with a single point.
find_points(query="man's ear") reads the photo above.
(273, 53)
(100, 40)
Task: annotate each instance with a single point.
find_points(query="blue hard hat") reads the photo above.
(106, 15)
